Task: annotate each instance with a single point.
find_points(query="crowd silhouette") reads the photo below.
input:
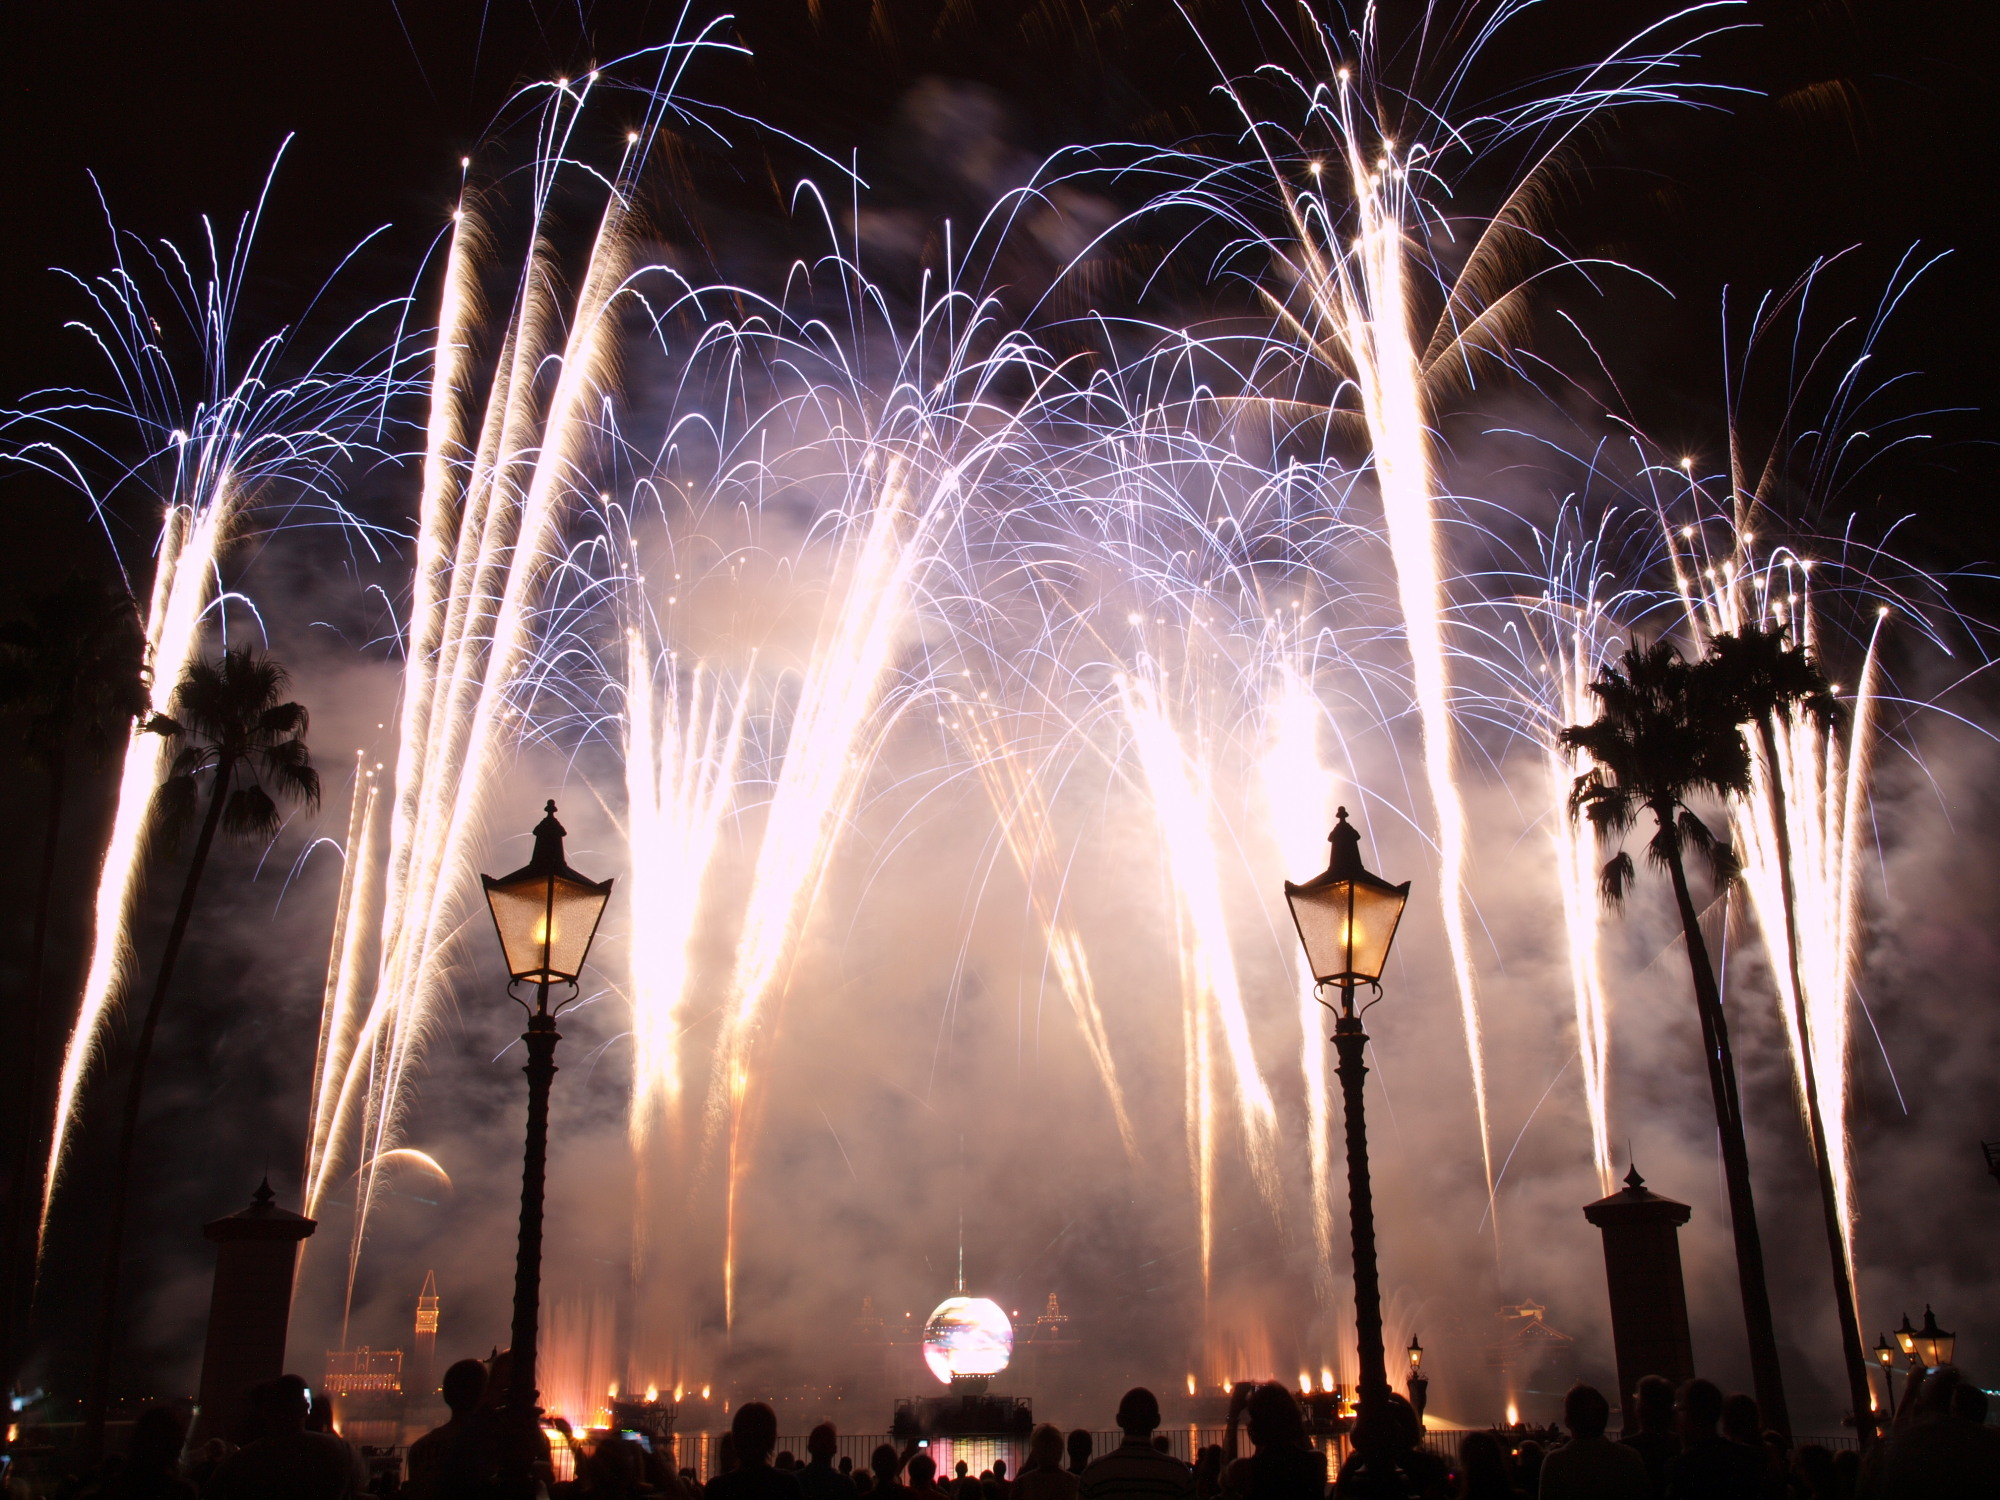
(1690, 1443)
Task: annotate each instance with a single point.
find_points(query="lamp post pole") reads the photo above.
(540, 1038)
(1887, 1359)
(1347, 919)
(545, 915)
(1351, 1043)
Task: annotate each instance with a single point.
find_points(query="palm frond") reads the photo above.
(250, 813)
(1717, 853)
(174, 808)
(1615, 879)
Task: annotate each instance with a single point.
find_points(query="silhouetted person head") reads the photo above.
(499, 1378)
(822, 1442)
(615, 1468)
(885, 1464)
(1275, 1418)
(923, 1470)
(1847, 1470)
(1740, 1422)
(1079, 1450)
(464, 1384)
(1813, 1464)
(1585, 1411)
(1138, 1413)
(785, 1462)
(1698, 1405)
(1969, 1402)
(1000, 1469)
(319, 1412)
(1939, 1390)
(1388, 1430)
(846, 1463)
(1484, 1464)
(1045, 1447)
(755, 1428)
(1528, 1462)
(156, 1440)
(279, 1406)
(960, 1469)
(1654, 1402)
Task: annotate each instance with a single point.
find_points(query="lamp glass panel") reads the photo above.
(1416, 1356)
(1321, 916)
(1347, 926)
(546, 924)
(1945, 1345)
(577, 907)
(1377, 910)
(1906, 1339)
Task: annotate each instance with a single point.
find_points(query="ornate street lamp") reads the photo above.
(1420, 1386)
(1906, 1340)
(1933, 1345)
(546, 915)
(1885, 1356)
(1347, 919)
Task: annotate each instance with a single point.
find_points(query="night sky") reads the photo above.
(1868, 127)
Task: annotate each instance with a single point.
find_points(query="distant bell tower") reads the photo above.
(423, 1379)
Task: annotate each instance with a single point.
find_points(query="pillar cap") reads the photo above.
(1636, 1204)
(262, 1220)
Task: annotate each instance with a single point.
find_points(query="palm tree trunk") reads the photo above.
(1836, 1241)
(17, 1275)
(1764, 1371)
(97, 1392)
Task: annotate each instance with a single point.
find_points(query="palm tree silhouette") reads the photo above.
(72, 674)
(1667, 732)
(1766, 679)
(236, 734)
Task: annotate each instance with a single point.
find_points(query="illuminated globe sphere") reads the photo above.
(967, 1336)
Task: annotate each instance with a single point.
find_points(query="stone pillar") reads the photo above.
(1642, 1264)
(250, 1308)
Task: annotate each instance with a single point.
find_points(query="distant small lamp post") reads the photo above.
(1885, 1356)
(1934, 1346)
(546, 915)
(1420, 1386)
(1347, 919)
